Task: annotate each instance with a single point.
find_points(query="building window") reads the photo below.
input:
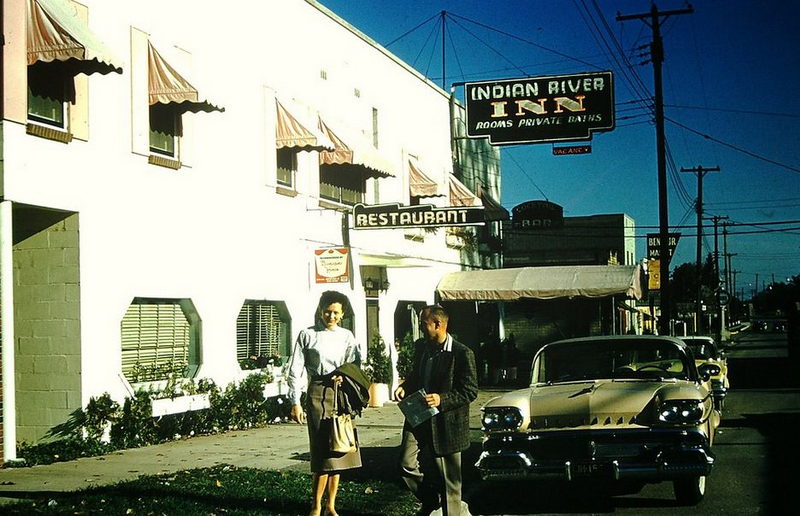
(263, 331)
(165, 129)
(342, 186)
(49, 93)
(287, 166)
(159, 340)
(323, 74)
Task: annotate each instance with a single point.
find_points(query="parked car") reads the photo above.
(625, 409)
(705, 350)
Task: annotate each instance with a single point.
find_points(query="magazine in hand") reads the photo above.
(416, 409)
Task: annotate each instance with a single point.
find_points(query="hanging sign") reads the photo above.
(572, 149)
(540, 109)
(332, 265)
(654, 244)
(382, 216)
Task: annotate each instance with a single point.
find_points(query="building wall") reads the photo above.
(47, 326)
(216, 231)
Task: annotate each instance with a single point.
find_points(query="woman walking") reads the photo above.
(318, 352)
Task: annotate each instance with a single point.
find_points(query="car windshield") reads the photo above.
(610, 359)
(701, 348)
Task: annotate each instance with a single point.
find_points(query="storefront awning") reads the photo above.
(167, 86)
(355, 152)
(419, 183)
(55, 33)
(393, 261)
(541, 283)
(492, 209)
(460, 195)
(290, 132)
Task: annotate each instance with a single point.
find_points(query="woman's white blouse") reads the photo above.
(317, 352)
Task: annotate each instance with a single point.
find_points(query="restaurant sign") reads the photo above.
(540, 109)
(383, 216)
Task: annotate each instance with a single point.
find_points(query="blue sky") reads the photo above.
(731, 76)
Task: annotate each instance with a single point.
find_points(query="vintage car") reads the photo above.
(705, 350)
(629, 410)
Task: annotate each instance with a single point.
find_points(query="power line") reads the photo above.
(734, 147)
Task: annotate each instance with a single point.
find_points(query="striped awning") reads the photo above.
(56, 33)
(460, 195)
(419, 184)
(492, 209)
(290, 132)
(167, 86)
(352, 149)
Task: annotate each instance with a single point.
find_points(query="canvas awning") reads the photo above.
(55, 33)
(167, 86)
(355, 152)
(290, 132)
(419, 184)
(541, 283)
(492, 209)
(460, 195)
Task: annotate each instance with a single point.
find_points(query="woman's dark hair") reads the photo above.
(332, 296)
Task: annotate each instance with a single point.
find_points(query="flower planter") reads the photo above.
(165, 406)
(378, 394)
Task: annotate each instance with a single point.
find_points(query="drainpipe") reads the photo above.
(7, 331)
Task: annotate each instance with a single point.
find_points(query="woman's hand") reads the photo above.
(400, 393)
(337, 380)
(298, 415)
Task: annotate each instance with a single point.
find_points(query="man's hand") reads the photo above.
(400, 393)
(433, 399)
(298, 414)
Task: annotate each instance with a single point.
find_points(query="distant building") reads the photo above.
(538, 235)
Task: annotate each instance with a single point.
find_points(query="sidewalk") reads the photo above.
(275, 447)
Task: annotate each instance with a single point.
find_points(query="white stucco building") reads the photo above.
(166, 188)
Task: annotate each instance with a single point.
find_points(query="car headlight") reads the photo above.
(681, 412)
(501, 418)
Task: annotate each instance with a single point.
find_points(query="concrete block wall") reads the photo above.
(47, 328)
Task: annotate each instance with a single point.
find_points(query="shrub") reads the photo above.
(379, 364)
(405, 356)
(133, 425)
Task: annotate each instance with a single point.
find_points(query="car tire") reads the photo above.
(689, 491)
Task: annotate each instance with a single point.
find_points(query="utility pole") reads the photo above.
(717, 280)
(698, 302)
(656, 18)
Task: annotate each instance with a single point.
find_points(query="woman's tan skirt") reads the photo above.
(319, 411)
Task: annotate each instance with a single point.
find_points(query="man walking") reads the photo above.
(430, 453)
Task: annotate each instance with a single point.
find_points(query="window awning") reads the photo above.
(291, 133)
(541, 283)
(419, 183)
(167, 86)
(460, 195)
(55, 33)
(355, 152)
(492, 209)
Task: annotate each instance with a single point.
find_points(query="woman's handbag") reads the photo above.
(343, 434)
